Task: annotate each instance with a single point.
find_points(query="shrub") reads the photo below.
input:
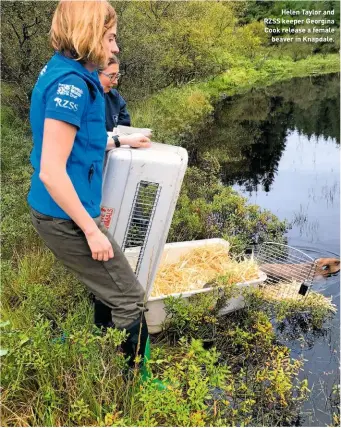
(207, 209)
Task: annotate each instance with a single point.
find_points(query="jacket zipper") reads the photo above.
(91, 173)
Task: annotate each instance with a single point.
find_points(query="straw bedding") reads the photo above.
(199, 267)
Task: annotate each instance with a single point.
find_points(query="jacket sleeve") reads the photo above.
(123, 117)
(66, 100)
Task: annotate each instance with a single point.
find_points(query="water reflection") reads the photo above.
(249, 134)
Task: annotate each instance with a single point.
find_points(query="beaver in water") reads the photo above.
(324, 267)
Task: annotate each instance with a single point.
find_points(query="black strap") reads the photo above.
(116, 141)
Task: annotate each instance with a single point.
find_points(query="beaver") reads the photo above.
(327, 266)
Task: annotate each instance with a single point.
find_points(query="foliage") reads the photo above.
(260, 386)
(163, 44)
(197, 316)
(315, 309)
(16, 228)
(311, 312)
(58, 381)
(59, 371)
(190, 374)
(174, 112)
(207, 209)
(334, 403)
(25, 46)
(54, 359)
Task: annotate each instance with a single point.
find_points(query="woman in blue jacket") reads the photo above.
(116, 112)
(69, 140)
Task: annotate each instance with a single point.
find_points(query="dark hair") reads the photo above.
(113, 60)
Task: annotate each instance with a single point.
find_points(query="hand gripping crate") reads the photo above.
(140, 191)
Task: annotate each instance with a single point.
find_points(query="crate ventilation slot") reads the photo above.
(141, 218)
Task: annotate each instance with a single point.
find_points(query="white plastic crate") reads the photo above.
(171, 254)
(140, 191)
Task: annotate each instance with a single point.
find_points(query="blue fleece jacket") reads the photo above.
(68, 92)
(116, 112)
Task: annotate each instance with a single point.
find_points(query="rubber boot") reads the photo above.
(145, 371)
(102, 315)
(139, 329)
(136, 340)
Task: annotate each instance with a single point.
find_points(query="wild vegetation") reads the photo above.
(165, 44)
(179, 60)
(59, 370)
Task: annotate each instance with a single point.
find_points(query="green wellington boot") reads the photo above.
(145, 371)
(138, 337)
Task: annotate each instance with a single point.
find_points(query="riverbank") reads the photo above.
(178, 114)
(60, 371)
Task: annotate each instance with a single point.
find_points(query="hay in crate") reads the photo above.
(201, 266)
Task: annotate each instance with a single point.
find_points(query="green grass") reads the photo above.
(175, 113)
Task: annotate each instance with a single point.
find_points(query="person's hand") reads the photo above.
(100, 246)
(136, 140)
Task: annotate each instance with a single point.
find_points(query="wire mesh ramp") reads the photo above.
(290, 272)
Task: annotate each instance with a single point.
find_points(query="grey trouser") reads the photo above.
(113, 282)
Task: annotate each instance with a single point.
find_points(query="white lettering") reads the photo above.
(75, 92)
(311, 12)
(282, 39)
(318, 39)
(63, 89)
(320, 21)
(70, 105)
(58, 102)
(74, 106)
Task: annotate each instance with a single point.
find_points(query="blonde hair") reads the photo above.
(79, 27)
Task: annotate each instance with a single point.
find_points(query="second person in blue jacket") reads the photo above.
(116, 112)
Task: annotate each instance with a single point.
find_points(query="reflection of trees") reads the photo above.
(316, 104)
(263, 157)
(248, 138)
(249, 132)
